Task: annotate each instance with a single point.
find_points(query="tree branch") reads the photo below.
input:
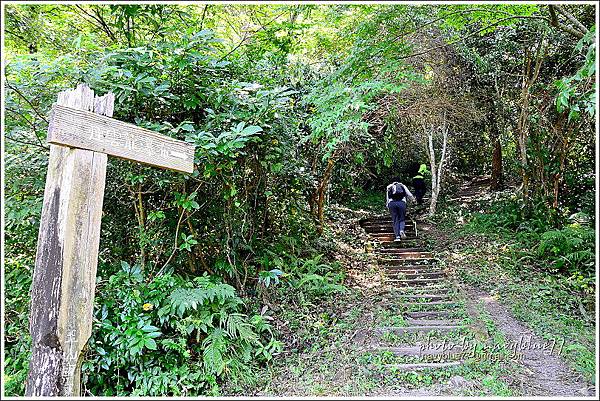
(203, 15)
(571, 18)
(470, 10)
(16, 35)
(27, 143)
(33, 127)
(27, 100)
(101, 23)
(565, 28)
(461, 39)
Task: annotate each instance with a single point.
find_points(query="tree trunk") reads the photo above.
(432, 164)
(320, 196)
(530, 75)
(558, 177)
(436, 170)
(497, 179)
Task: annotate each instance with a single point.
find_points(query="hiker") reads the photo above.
(418, 184)
(395, 201)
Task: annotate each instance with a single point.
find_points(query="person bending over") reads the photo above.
(419, 184)
(395, 201)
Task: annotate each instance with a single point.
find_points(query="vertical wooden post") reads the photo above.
(62, 293)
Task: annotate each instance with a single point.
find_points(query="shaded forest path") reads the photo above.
(428, 301)
(408, 327)
(438, 323)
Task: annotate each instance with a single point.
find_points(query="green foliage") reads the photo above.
(512, 215)
(308, 275)
(269, 94)
(485, 17)
(17, 342)
(172, 336)
(570, 250)
(545, 275)
(575, 93)
(265, 277)
(339, 110)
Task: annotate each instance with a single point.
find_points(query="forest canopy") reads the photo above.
(293, 109)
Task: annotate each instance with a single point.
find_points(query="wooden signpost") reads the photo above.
(81, 133)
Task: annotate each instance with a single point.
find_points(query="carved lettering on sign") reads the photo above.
(85, 130)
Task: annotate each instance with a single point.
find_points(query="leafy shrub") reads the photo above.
(570, 250)
(307, 274)
(510, 214)
(317, 278)
(172, 337)
(17, 341)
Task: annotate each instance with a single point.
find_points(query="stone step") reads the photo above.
(404, 244)
(415, 281)
(419, 350)
(388, 233)
(375, 226)
(392, 267)
(435, 290)
(402, 251)
(400, 264)
(391, 262)
(383, 220)
(394, 264)
(432, 297)
(388, 239)
(394, 272)
(433, 322)
(385, 226)
(447, 303)
(418, 329)
(441, 304)
(389, 236)
(383, 223)
(409, 263)
(417, 275)
(427, 314)
(409, 257)
(421, 366)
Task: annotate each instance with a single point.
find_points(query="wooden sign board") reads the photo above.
(81, 134)
(86, 130)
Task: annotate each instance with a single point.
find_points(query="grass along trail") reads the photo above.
(407, 327)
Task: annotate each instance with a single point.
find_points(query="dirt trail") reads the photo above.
(545, 374)
(402, 306)
(538, 368)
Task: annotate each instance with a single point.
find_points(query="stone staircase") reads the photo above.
(430, 311)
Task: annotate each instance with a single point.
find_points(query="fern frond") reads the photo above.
(214, 348)
(238, 327)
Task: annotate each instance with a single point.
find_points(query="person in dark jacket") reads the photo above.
(418, 183)
(395, 200)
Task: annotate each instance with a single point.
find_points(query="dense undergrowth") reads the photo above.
(176, 335)
(539, 264)
(205, 278)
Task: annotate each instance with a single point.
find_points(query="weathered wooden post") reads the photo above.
(81, 134)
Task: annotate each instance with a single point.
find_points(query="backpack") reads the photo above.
(396, 192)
